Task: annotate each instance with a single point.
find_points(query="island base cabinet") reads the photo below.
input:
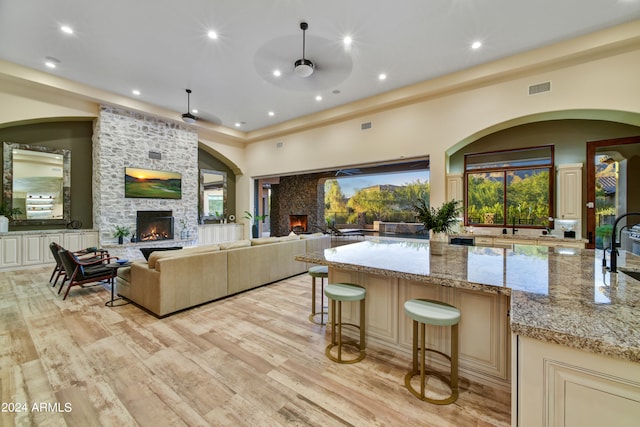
(565, 387)
(485, 349)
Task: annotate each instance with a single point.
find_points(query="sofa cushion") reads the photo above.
(200, 249)
(287, 238)
(263, 241)
(156, 255)
(311, 236)
(236, 244)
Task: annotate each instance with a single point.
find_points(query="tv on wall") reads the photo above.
(152, 184)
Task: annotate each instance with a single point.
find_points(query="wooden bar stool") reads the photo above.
(321, 271)
(345, 292)
(436, 313)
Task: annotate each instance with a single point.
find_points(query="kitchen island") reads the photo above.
(546, 322)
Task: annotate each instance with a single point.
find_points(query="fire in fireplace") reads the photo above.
(154, 225)
(298, 223)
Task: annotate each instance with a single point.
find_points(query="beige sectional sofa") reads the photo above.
(175, 280)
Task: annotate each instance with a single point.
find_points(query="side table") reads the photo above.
(115, 266)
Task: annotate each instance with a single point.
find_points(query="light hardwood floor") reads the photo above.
(250, 360)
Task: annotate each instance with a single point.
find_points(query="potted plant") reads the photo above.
(6, 215)
(121, 232)
(254, 222)
(438, 221)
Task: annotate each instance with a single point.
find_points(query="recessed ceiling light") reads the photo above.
(212, 35)
(277, 73)
(271, 113)
(51, 62)
(318, 98)
(66, 29)
(194, 111)
(476, 44)
(382, 76)
(136, 92)
(347, 40)
(237, 124)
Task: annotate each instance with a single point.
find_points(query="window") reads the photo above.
(509, 188)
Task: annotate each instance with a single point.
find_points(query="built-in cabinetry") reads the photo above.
(569, 197)
(561, 386)
(21, 249)
(209, 234)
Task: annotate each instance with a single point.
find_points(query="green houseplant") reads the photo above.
(254, 222)
(437, 220)
(121, 232)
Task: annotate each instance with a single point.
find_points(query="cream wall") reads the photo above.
(607, 88)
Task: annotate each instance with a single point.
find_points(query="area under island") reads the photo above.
(547, 323)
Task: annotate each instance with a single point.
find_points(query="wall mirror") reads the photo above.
(37, 180)
(213, 195)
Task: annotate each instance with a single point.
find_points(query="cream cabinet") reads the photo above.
(35, 248)
(566, 387)
(569, 200)
(485, 346)
(209, 234)
(10, 251)
(23, 249)
(80, 240)
(454, 187)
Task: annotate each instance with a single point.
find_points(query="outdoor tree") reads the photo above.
(379, 203)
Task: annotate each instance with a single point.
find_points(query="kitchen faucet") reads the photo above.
(613, 265)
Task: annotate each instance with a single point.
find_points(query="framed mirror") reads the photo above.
(213, 195)
(37, 180)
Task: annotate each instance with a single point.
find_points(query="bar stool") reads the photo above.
(345, 292)
(321, 271)
(436, 313)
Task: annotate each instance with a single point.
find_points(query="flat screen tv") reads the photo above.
(152, 184)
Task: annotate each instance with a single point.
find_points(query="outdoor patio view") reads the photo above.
(356, 202)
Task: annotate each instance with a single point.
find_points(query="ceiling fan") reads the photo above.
(188, 117)
(303, 67)
(347, 172)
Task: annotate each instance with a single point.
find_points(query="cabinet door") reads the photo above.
(73, 242)
(570, 191)
(89, 239)
(10, 251)
(32, 249)
(48, 239)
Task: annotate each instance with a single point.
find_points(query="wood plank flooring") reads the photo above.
(250, 360)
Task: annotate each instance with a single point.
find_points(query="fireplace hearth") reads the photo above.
(298, 223)
(154, 225)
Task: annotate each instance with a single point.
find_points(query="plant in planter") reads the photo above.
(438, 221)
(254, 222)
(121, 232)
(6, 215)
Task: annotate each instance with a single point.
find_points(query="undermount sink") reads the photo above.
(634, 274)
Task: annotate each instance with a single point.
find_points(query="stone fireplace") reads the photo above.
(123, 138)
(298, 223)
(154, 225)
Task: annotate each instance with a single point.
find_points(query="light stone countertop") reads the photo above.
(557, 295)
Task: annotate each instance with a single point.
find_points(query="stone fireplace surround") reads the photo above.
(124, 138)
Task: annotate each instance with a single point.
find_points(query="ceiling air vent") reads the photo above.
(365, 126)
(539, 88)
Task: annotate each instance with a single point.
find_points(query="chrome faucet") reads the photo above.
(613, 264)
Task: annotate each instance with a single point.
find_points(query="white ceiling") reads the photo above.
(160, 47)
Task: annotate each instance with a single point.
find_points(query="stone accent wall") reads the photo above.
(124, 138)
(297, 195)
